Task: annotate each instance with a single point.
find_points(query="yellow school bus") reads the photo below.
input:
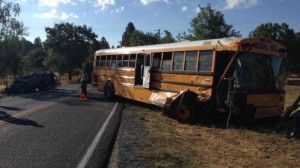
(243, 76)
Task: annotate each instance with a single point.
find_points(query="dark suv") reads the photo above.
(31, 83)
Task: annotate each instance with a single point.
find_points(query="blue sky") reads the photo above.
(109, 18)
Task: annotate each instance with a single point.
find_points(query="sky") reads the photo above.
(109, 18)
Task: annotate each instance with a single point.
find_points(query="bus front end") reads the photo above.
(258, 75)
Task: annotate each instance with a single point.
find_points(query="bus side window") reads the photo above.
(156, 60)
(97, 63)
(178, 61)
(108, 61)
(113, 61)
(191, 60)
(132, 60)
(119, 60)
(205, 61)
(102, 60)
(166, 61)
(125, 60)
(147, 61)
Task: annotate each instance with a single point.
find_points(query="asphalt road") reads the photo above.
(55, 129)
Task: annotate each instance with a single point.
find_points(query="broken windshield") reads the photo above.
(256, 72)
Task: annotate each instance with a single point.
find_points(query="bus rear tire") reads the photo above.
(109, 90)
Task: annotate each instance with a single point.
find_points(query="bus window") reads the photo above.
(147, 61)
(113, 61)
(97, 61)
(156, 60)
(108, 61)
(125, 60)
(205, 61)
(119, 60)
(191, 60)
(166, 61)
(132, 60)
(178, 61)
(102, 60)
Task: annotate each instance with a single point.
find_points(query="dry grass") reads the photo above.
(2, 87)
(171, 144)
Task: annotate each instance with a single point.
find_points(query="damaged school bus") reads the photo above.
(240, 75)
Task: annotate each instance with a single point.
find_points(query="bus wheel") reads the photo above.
(183, 113)
(109, 90)
(186, 107)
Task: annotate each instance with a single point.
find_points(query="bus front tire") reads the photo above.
(183, 113)
(186, 107)
(109, 90)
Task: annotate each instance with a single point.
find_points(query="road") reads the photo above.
(55, 129)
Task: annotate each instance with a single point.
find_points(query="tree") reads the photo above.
(167, 38)
(103, 44)
(134, 37)
(38, 43)
(35, 59)
(209, 24)
(11, 31)
(126, 35)
(10, 57)
(283, 34)
(26, 46)
(69, 46)
(275, 31)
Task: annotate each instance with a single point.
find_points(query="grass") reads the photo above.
(171, 144)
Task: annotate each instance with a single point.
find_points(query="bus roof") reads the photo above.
(183, 44)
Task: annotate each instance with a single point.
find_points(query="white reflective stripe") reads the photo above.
(89, 152)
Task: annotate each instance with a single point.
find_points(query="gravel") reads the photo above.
(128, 141)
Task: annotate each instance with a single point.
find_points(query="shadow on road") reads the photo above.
(11, 108)
(4, 117)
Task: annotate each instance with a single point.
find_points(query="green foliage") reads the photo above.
(103, 44)
(283, 34)
(70, 46)
(10, 57)
(12, 46)
(209, 24)
(38, 43)
(133, 37)
(167, 38)
(26, 46)
(275, 31)
(35, 59)
(58, 62)
(127, 34)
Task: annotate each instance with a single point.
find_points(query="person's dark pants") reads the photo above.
(296, 124)
(83, 89)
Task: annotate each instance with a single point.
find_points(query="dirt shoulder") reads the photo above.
(129, 143)
(148, 139)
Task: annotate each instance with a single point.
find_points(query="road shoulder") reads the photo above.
(128, 142)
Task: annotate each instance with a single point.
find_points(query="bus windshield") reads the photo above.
(256, 72)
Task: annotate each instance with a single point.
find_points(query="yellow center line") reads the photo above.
(27, 112)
